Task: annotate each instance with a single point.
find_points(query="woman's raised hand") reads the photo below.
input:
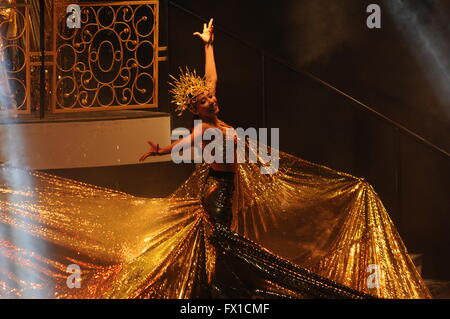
(207, 35)
(154, 150)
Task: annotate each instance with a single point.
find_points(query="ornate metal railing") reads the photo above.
(14, 58)
(109, 60)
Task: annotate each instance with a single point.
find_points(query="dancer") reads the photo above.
(305, 231)
(197, 95)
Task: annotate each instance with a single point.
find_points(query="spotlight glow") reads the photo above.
(15, 179)
(429, 45)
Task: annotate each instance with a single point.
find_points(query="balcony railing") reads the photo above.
(14, 58)
(96, 55)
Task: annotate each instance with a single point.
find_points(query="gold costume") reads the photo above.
(306, 231)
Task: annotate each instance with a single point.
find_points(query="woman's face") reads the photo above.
(207, 107)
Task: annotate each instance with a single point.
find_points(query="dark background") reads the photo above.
(400, 71)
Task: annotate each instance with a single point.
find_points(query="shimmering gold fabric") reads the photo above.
(313, 222)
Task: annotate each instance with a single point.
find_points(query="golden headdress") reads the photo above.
(186, 89)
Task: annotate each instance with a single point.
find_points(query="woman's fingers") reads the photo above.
(207, 31)
(153, 150)
(143, 157)
(153, 146)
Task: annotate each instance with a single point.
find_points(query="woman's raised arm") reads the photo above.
(210, 65)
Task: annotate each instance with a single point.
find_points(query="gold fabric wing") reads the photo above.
(331, 223)
(327, 221)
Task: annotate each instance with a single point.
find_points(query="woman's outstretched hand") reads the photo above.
(208, 33)
(154, 150)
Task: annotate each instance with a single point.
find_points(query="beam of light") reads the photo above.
(13, 151)
(429, 46)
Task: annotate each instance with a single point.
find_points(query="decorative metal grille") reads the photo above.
(14, 58)
(109, 60)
